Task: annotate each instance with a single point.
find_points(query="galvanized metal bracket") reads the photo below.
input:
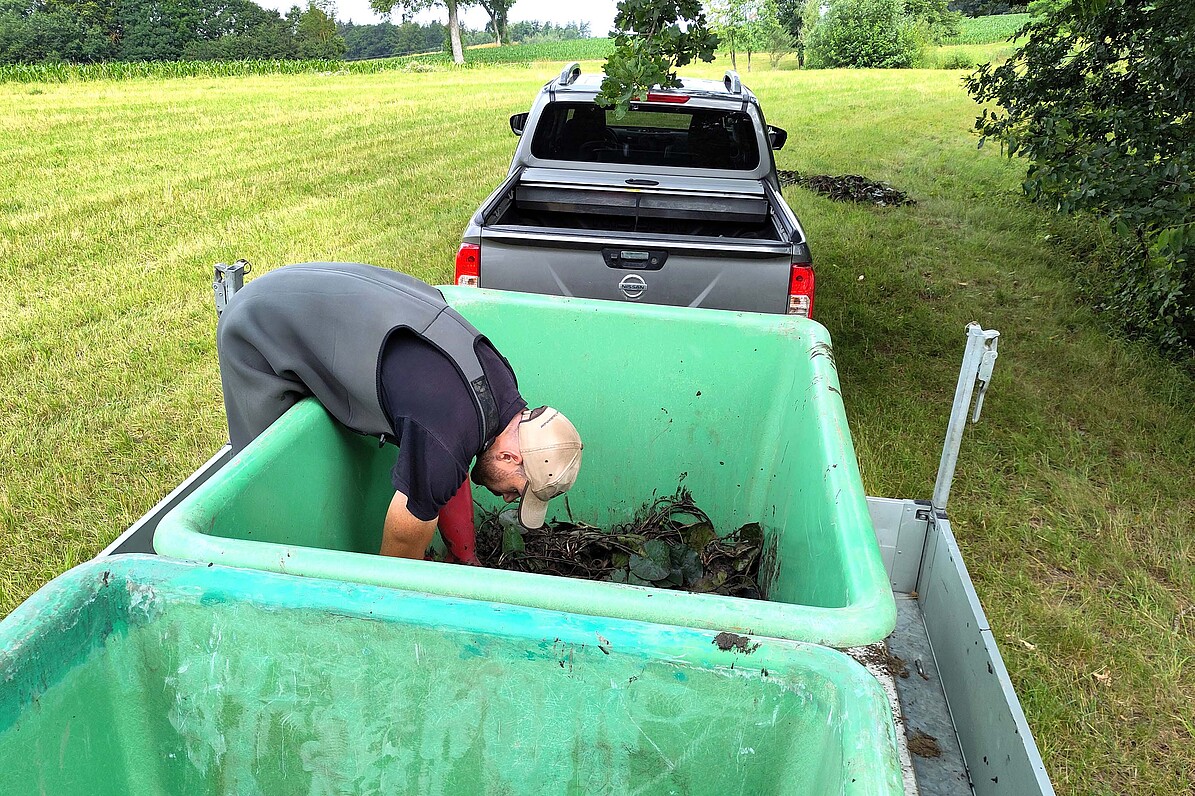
(227, 280)
(978, 363)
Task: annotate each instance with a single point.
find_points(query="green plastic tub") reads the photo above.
(138, 675)
(744, 407)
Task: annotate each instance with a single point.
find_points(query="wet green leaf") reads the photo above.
(647, 569)
(708, 583)
(751, 532)
(512, 541)
(699, 535)
(690, 566)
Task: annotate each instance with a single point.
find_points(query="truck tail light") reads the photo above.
(800, 290)
(659, 96)
(468, 265)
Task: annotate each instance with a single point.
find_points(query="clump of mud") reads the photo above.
(880, 657)
(924, 745)
(848, 188)
(670, 544)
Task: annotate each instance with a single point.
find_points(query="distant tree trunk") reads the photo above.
(494, 25)
(733, 65)
(748, 58)
(454, 33)
(501, 26)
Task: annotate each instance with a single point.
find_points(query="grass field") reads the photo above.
(1075, 495)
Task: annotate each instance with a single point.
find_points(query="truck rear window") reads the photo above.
(692, 138)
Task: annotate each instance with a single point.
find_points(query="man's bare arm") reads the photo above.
(405, 535)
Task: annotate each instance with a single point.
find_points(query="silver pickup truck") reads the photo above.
(676, 202)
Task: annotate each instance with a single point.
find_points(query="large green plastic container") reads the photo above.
(138, 675)
(744, 407)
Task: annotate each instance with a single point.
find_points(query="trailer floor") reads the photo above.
(930, 754)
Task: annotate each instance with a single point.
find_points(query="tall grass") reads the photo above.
(574, 50)
(1073, 502)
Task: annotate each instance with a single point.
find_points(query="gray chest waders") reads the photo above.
(319, 329)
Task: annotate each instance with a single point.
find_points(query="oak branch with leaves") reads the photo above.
(652, 39)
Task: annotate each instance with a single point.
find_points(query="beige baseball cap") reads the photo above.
(551, 449)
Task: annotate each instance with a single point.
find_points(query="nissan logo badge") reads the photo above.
(632, 286)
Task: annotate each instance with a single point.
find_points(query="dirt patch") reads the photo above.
(731, 641)
(848, 188)
(924, 745)
(670, 544)
(879, 657)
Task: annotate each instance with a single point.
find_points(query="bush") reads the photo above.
(958, 59)
(864, 34)
(939, 23)
(1099, 101)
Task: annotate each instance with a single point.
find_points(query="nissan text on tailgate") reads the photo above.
(677, 202)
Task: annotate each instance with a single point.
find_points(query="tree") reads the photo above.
(497, 9)
(772, 34)
(650, 44)
(412, 6)
(939, 22)
(980, 8)
(316, 35)
(729, 19)
(864, 34)
(155, 30)
(1100, 100)
(811, 14)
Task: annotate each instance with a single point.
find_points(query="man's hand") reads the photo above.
(405, 535)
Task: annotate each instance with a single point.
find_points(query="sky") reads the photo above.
(598, 13)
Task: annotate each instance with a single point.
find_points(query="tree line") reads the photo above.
(385, 39)
(94, 31)
(90, 31)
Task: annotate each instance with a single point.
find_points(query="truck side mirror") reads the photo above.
(776, 136)
(518, 122)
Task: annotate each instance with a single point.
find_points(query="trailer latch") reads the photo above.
(985, 371)
(227, 281)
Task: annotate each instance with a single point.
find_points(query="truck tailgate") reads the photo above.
(715, 273)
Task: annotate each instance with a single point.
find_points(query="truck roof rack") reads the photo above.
(732, 82)
(569, 74)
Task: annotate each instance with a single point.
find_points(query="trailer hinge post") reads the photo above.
(974, 378)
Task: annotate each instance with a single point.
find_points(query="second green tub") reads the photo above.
(745, 408)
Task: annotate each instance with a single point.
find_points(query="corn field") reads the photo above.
(576, 50)
(989, 30)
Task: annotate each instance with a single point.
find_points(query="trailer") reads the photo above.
(959, 727)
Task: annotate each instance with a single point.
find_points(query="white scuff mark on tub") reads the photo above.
(143, 598)
(775, 718)
(66, 736)
(664, 757)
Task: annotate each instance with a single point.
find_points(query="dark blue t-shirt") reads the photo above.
(434, 417)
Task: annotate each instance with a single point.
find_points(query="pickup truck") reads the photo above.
(676, 202)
